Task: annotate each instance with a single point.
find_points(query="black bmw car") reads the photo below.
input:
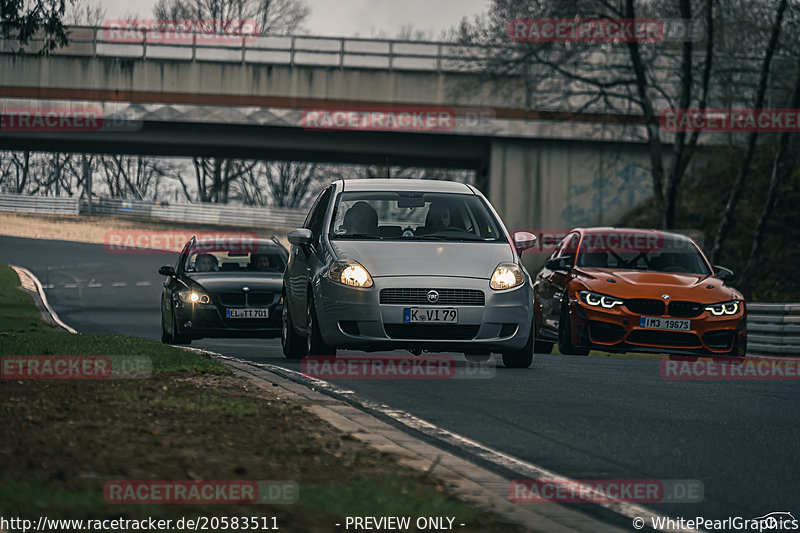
(229, 287)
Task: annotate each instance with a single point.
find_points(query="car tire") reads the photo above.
(520, 358)
(315, 345)
(175, 338)
(294, 345)
(540, 346)
(166, 336)
(565, 345)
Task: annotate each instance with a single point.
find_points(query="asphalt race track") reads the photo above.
(583, 417)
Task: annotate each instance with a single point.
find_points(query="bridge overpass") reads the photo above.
(541, 168)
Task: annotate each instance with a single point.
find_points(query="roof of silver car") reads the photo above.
(403, 184)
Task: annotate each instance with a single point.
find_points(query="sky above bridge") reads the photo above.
(362, 18)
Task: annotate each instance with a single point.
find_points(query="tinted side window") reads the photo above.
(316, 219)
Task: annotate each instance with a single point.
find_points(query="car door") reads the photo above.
(552, 283)
(172, 285)
(303, 261)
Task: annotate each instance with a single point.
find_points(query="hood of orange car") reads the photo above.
(643, 284)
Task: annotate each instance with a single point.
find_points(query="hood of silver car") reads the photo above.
(425, 258)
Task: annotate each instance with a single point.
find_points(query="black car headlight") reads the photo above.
(193, 297)
(599, 300)
(723, 308)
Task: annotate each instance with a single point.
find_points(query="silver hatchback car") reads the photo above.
(385, 264)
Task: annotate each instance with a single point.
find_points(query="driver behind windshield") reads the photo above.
(206, 263)
(437, 219)
(260, 262)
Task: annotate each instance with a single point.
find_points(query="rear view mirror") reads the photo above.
(300, 237)
(523, 240)
(411, 201)
(725, 274)
(560, 263)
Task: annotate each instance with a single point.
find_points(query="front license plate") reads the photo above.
(652, 322)
(437, 315)
(247, 313)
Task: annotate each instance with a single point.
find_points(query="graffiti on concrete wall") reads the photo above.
(607, 196)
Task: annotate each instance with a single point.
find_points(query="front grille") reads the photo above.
(645, 306)
(685, 309)
(664, 338)
(431, 331)
(240, 299)
(605, 332)
(403, 296)
(231, 299)
(719, 340)
(261, 299)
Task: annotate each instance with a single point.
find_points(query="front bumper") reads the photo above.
(201, 321)
(618, 330)
(354, 318)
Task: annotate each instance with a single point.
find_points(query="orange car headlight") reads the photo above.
(724, 308)
(599, 300)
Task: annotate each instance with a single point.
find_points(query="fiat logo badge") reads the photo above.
(433, 297)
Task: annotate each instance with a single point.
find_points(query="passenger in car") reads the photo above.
(361, 219)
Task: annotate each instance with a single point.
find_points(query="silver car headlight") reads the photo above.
(506, 276)
(194, 297)
(350, 273)
(724, 308)
(602, 300)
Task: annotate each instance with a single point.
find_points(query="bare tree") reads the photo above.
(273, 16)
(736, 191)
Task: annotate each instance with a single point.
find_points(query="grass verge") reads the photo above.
(63, 440)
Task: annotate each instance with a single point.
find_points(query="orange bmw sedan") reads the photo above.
(634, 290)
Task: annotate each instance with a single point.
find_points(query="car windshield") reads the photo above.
(641, 251)
(268, 259)
(414, 216)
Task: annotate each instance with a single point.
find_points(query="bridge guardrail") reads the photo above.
(292, 50)
(38, 204)
(773, 329)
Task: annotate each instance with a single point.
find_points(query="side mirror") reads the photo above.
(725, 274)
(300, 237)
(166, 271)
(523, 240)
(560, 263)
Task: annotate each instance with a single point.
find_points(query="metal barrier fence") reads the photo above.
(229, 215)
(773, 329)
(38, 204)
